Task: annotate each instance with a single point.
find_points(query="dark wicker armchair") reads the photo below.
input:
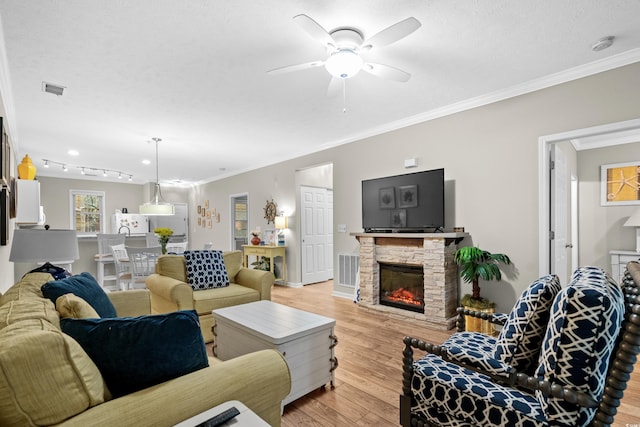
(587, 356)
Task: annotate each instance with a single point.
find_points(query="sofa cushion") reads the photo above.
(70, 305)
(45, 376)
(84, 286)
(172, 266)
(39, 309)
(134, 353)
(28, 287)
(206, 300)
(205, 269)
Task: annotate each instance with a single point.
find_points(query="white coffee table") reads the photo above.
(246, 417)
(306, 340)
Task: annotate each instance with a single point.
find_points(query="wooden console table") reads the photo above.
(270, 252)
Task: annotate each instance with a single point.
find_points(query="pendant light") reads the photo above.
(157, 206)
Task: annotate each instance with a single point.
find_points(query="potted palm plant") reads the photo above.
(476, 264)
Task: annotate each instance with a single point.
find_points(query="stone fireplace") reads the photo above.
(431, 252)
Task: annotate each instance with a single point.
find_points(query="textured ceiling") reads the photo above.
(193, 73)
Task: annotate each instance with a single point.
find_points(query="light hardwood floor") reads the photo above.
(369, 376)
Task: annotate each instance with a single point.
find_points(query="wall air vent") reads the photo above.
(51, 88)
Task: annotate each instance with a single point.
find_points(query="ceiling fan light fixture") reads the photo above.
(344, 63)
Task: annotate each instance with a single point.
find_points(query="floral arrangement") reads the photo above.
(163, 234)
(256, 233)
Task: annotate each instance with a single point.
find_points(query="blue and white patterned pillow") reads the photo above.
(519, 342)
(206, 269)
(583, 327)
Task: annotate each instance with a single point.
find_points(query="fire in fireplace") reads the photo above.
(402, 286)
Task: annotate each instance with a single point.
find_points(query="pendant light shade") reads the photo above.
(157, 206)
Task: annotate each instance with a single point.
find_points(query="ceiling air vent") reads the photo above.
(51, 88)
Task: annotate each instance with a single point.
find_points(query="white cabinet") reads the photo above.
(28, 209)
(619, 260)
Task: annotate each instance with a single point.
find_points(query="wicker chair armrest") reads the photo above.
(555, 390)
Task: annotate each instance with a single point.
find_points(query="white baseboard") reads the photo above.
(342, 295)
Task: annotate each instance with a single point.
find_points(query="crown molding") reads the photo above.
(589, 69)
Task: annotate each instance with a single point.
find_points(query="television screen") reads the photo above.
(409, 202)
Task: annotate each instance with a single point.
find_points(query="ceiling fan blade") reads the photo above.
(296, 67)
(392, 34)
(315, 30)
(386, 72)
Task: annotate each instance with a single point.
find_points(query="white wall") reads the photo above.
(490, 160)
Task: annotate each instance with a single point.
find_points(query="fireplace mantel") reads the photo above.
(434, 251)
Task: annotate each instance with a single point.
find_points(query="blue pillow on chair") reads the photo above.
(133, 353)
(206, 269)
(84, 286)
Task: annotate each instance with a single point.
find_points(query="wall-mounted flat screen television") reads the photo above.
(411, 202)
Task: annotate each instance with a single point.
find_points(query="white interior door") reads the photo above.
(314, 234)
(239, 221)
(562, 200)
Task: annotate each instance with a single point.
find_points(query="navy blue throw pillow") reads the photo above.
(84, 286)
(206, 269)
(133, 353)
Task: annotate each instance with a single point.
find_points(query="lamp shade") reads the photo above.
(37, 245)
(281, 222)
(634, 220)
(157, 209)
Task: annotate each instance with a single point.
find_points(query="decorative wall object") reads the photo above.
(4, 216)
(387, 198)
(620, 184)
(408, 196)
(5, 157)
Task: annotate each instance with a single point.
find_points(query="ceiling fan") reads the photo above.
(344, 48)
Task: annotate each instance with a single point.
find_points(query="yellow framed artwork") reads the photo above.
(620, 184)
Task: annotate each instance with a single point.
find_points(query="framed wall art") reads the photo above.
(5, 157)
(620, 184)
(408, 196)
(387, 198)
(4, 216)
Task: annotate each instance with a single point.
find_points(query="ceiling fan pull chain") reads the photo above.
(344, 96)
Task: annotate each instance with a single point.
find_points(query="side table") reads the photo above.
(619, 260)
(271, 252)
(246, 418)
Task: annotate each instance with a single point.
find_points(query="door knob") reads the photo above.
(568, 245)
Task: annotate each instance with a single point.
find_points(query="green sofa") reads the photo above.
(170, 290)
(46, 379)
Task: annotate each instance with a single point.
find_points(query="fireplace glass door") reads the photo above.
(402, 286)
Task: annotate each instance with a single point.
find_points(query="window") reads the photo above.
(87, 211)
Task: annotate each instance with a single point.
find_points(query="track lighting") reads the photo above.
(89, 171)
